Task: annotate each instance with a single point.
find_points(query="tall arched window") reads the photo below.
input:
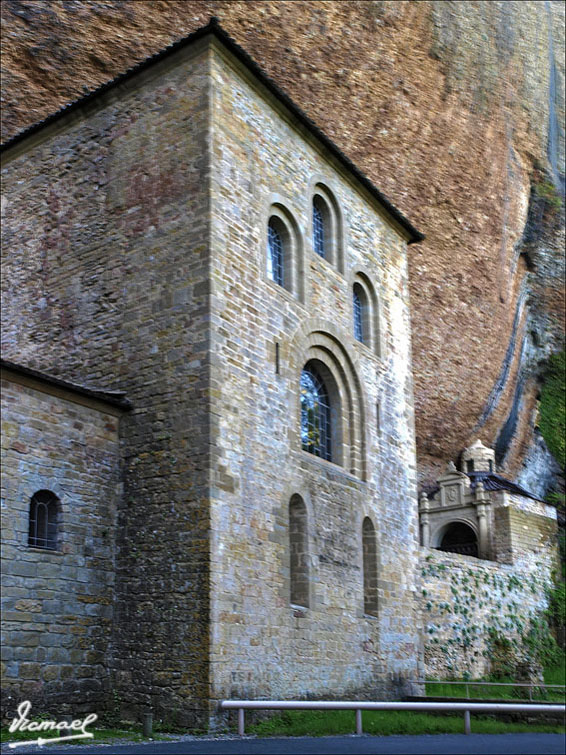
(369, 550)
(316, 429)
(319, 221)
(360, 313)
(365, 312)
(327, 227)
(275, 252)
(284, 262)
(43, 520)
(298, 552)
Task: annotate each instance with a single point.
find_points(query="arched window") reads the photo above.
(43, 520)
(459, 538)
(298, 552)
(369, 551)
(275, 252)
(360, 313)
(316, 429)
(365, 312)
(327, 227)
(319, 215)
(329, 409)
(284, 263)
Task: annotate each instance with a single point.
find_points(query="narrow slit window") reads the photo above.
(369, 555)
(358, 316)
(318, 230)
(274, 255)
(299, 557)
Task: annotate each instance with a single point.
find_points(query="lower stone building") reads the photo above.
(488, 559)
(60, 489)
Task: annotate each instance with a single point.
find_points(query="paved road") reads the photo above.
(440, 744)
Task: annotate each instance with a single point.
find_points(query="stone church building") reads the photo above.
(209, 458)
(241, 519)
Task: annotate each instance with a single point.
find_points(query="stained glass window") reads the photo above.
(315, 415)
(274, 254)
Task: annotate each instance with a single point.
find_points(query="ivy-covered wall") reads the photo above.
(482, 617)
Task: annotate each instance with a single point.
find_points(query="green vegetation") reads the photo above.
(552, 419)
(133, 734)
(539, 694)
(556, 674)
(547, 191)
(296, 723)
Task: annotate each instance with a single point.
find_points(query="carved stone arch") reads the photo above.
(359, 277)
(294, 262)
(318, 340)
(439, 535)
(319, 190)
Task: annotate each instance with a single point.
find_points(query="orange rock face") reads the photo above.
(446, 106)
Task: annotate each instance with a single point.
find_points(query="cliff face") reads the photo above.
(453, 109)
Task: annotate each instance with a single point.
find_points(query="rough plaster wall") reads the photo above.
(105, 283)
(261, 645)
(447, 106)
(57, 606)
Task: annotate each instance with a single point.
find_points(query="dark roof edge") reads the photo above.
(213, 27)
(115, 398)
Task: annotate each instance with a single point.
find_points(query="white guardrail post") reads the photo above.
(358, 706)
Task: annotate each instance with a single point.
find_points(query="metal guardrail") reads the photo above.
(468, 684)
(466, 708)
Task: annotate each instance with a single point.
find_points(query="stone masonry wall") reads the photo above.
(449, 107)
(260, 644)
(58, 604)
(468, 602)
(105, 283)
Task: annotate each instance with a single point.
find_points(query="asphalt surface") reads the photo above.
(440, 744)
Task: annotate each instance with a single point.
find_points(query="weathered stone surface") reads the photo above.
(73, 453)
(445, 105)
(261, 644)
(152, 212)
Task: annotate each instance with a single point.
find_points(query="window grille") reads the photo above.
(315, 415)
(43, 520)
(358, 317)
(274, 255)
(318, 230)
